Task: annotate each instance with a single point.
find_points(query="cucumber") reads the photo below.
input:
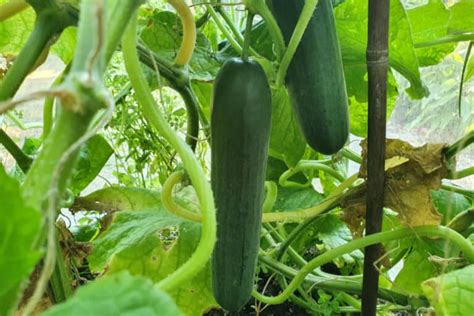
(315, 77)
(240, 133)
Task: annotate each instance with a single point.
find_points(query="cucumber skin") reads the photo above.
(315, 77)
(240, 133)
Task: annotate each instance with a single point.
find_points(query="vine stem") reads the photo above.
(464, 67)
(185, 52)
(334, 283)
(42, 32)
(248, 30)
(223, 29)
(167, 198)
(461, 173)
(203, 189)
(23, 160)
(407, 232)
(11, 8)
(300, 28)
(235, 31)
(306, 165)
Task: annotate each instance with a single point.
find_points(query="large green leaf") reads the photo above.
(460, 20)
(92, 159)
(351, 21)
(19, 229)
(154, 244)
(286, 140)
(119, 294)
(429, 23)
(451, 294)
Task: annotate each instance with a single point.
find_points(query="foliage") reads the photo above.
(123, 242)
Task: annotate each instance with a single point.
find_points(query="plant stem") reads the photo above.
(121, 14)
(167, 198)
(306, 165)
(23, 160)
(223, 29)
(208, 237)
(43, 31)
(333, 284)
(461, 173)
(271, 189)
(459, 145)
(248, 30)
(188, 42)
(421, 231)
(12, 8)
(452, 38)
(300, 28)
(466, 192)
(351, 155)
(464, 67)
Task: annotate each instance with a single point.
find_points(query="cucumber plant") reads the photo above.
(242, 215)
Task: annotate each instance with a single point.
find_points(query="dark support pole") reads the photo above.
(377, 65)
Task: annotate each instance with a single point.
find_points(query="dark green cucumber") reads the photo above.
(315, 77)
(240, 132)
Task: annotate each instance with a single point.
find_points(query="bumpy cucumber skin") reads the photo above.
(240, 133)
(315, 77)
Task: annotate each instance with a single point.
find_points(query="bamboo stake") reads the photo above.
(377, 66)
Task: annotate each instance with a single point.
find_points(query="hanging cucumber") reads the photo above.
(240, 132)
(315, 77)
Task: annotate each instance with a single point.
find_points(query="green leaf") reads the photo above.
(449, 204)
(154, 244)
(460, 20)
(19, 229)
(334, 233)
(203, 92)
(286, 140)
(416, 269)
(451, 294)
(66, 45)
(163, 36)
(469, 69)
(117, 198)
(351, 20)
(428, 23)
(15, 31)
(290, 199)
(92, 159)
(119, 294)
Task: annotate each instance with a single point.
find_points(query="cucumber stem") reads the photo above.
(409, 232)
(223, 29)
(234, 30)
(464, 67)
(248, 30)
(189, 32)
(300, 28)
(167, 198)
(44, 29)
(203, 189)
(23, 160)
